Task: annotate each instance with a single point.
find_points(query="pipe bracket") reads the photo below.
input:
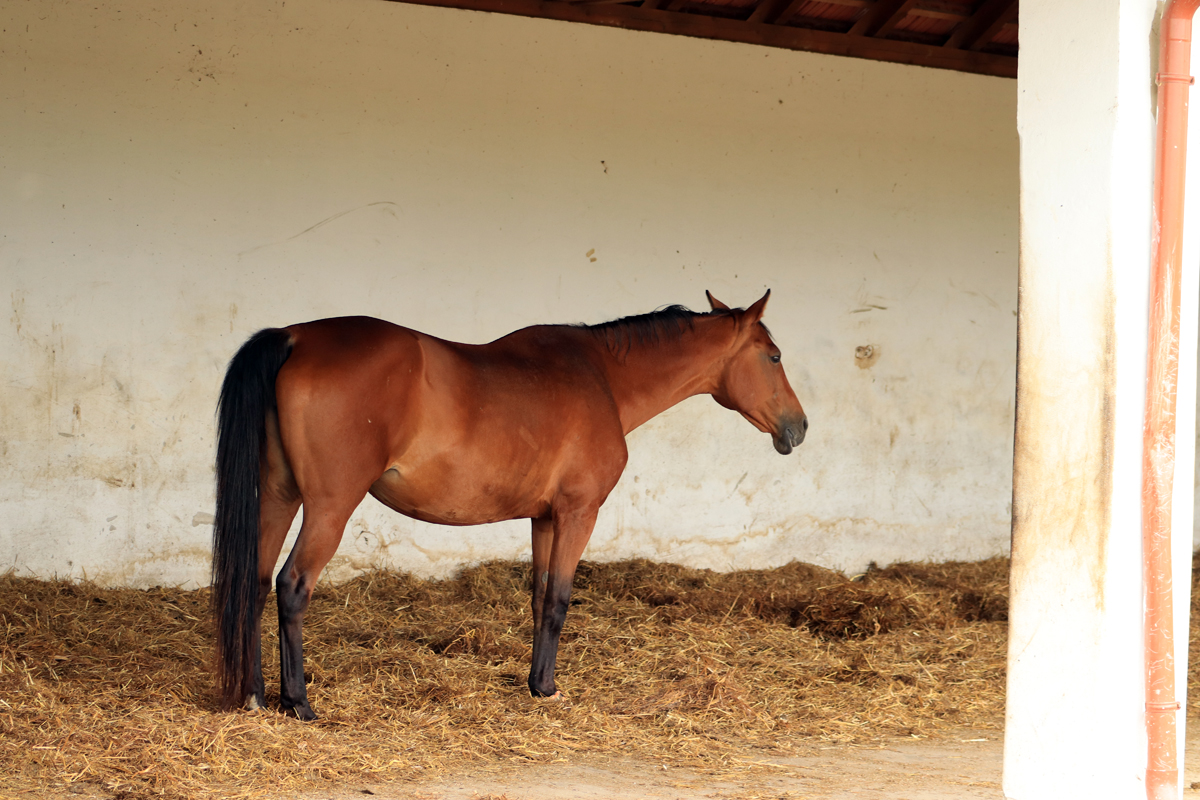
(1164, 77)
(1163, 707)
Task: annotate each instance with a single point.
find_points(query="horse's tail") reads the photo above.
(247, 394)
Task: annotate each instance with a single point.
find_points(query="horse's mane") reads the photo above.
(666, 323)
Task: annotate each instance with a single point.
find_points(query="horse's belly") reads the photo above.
(453, 502)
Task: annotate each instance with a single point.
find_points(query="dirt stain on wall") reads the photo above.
(1064, 435)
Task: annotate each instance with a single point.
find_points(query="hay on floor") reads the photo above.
(111, 687)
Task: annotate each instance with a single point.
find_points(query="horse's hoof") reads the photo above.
(304, 712)
(557, 697)
(252, 703)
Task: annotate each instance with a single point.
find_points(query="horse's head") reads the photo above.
(752, 380)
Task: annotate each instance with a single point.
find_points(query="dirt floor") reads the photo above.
(963, 767)
(960, 768)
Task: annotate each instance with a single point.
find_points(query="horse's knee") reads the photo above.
(292, 593)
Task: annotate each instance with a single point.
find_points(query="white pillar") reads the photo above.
(1076, 692)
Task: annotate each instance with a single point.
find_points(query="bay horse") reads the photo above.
(530, 426)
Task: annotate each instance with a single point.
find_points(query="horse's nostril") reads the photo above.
(795, 431)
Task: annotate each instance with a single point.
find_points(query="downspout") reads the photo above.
(1158, 443)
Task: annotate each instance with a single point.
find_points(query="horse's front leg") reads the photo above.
(571, 531)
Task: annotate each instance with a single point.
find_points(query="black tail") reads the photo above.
(247, 394)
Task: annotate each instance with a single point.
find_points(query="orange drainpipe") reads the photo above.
(1158, 445)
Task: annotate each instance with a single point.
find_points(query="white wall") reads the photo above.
(173, 179)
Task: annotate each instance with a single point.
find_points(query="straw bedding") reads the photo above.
(111, 688)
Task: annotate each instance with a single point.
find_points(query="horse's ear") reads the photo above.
(716, 304)
(755, 312)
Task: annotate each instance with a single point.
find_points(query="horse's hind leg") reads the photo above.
(279, 500)
(275, 518)
(319, 536)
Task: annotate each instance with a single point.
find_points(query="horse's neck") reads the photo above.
(649, 378)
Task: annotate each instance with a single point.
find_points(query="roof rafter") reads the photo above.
(880, 18)
(964, 35)
(1010, 11)
(768, 10)
(975, 29)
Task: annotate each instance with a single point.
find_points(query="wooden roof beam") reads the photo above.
(985, 23)
(733, 30)
(791, 8)
(881, 18)
(895, 19)
(986, 37)
(767, 10)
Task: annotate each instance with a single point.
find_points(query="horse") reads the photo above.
(530, 426)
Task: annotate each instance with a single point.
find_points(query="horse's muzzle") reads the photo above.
(791, 433)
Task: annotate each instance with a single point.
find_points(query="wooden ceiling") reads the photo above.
(966, 35)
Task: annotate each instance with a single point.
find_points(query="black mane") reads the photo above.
(666, 323)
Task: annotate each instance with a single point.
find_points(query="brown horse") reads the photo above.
(531, 426)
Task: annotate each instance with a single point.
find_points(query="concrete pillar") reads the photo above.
(1076, 693)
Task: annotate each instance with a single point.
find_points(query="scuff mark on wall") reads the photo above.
(18, 306)
(321, 224)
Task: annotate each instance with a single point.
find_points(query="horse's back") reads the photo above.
(363, 361)
(468, 433)
(347, 344)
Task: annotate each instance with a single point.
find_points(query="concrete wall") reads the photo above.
(173, 179)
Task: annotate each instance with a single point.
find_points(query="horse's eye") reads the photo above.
(775, 359)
